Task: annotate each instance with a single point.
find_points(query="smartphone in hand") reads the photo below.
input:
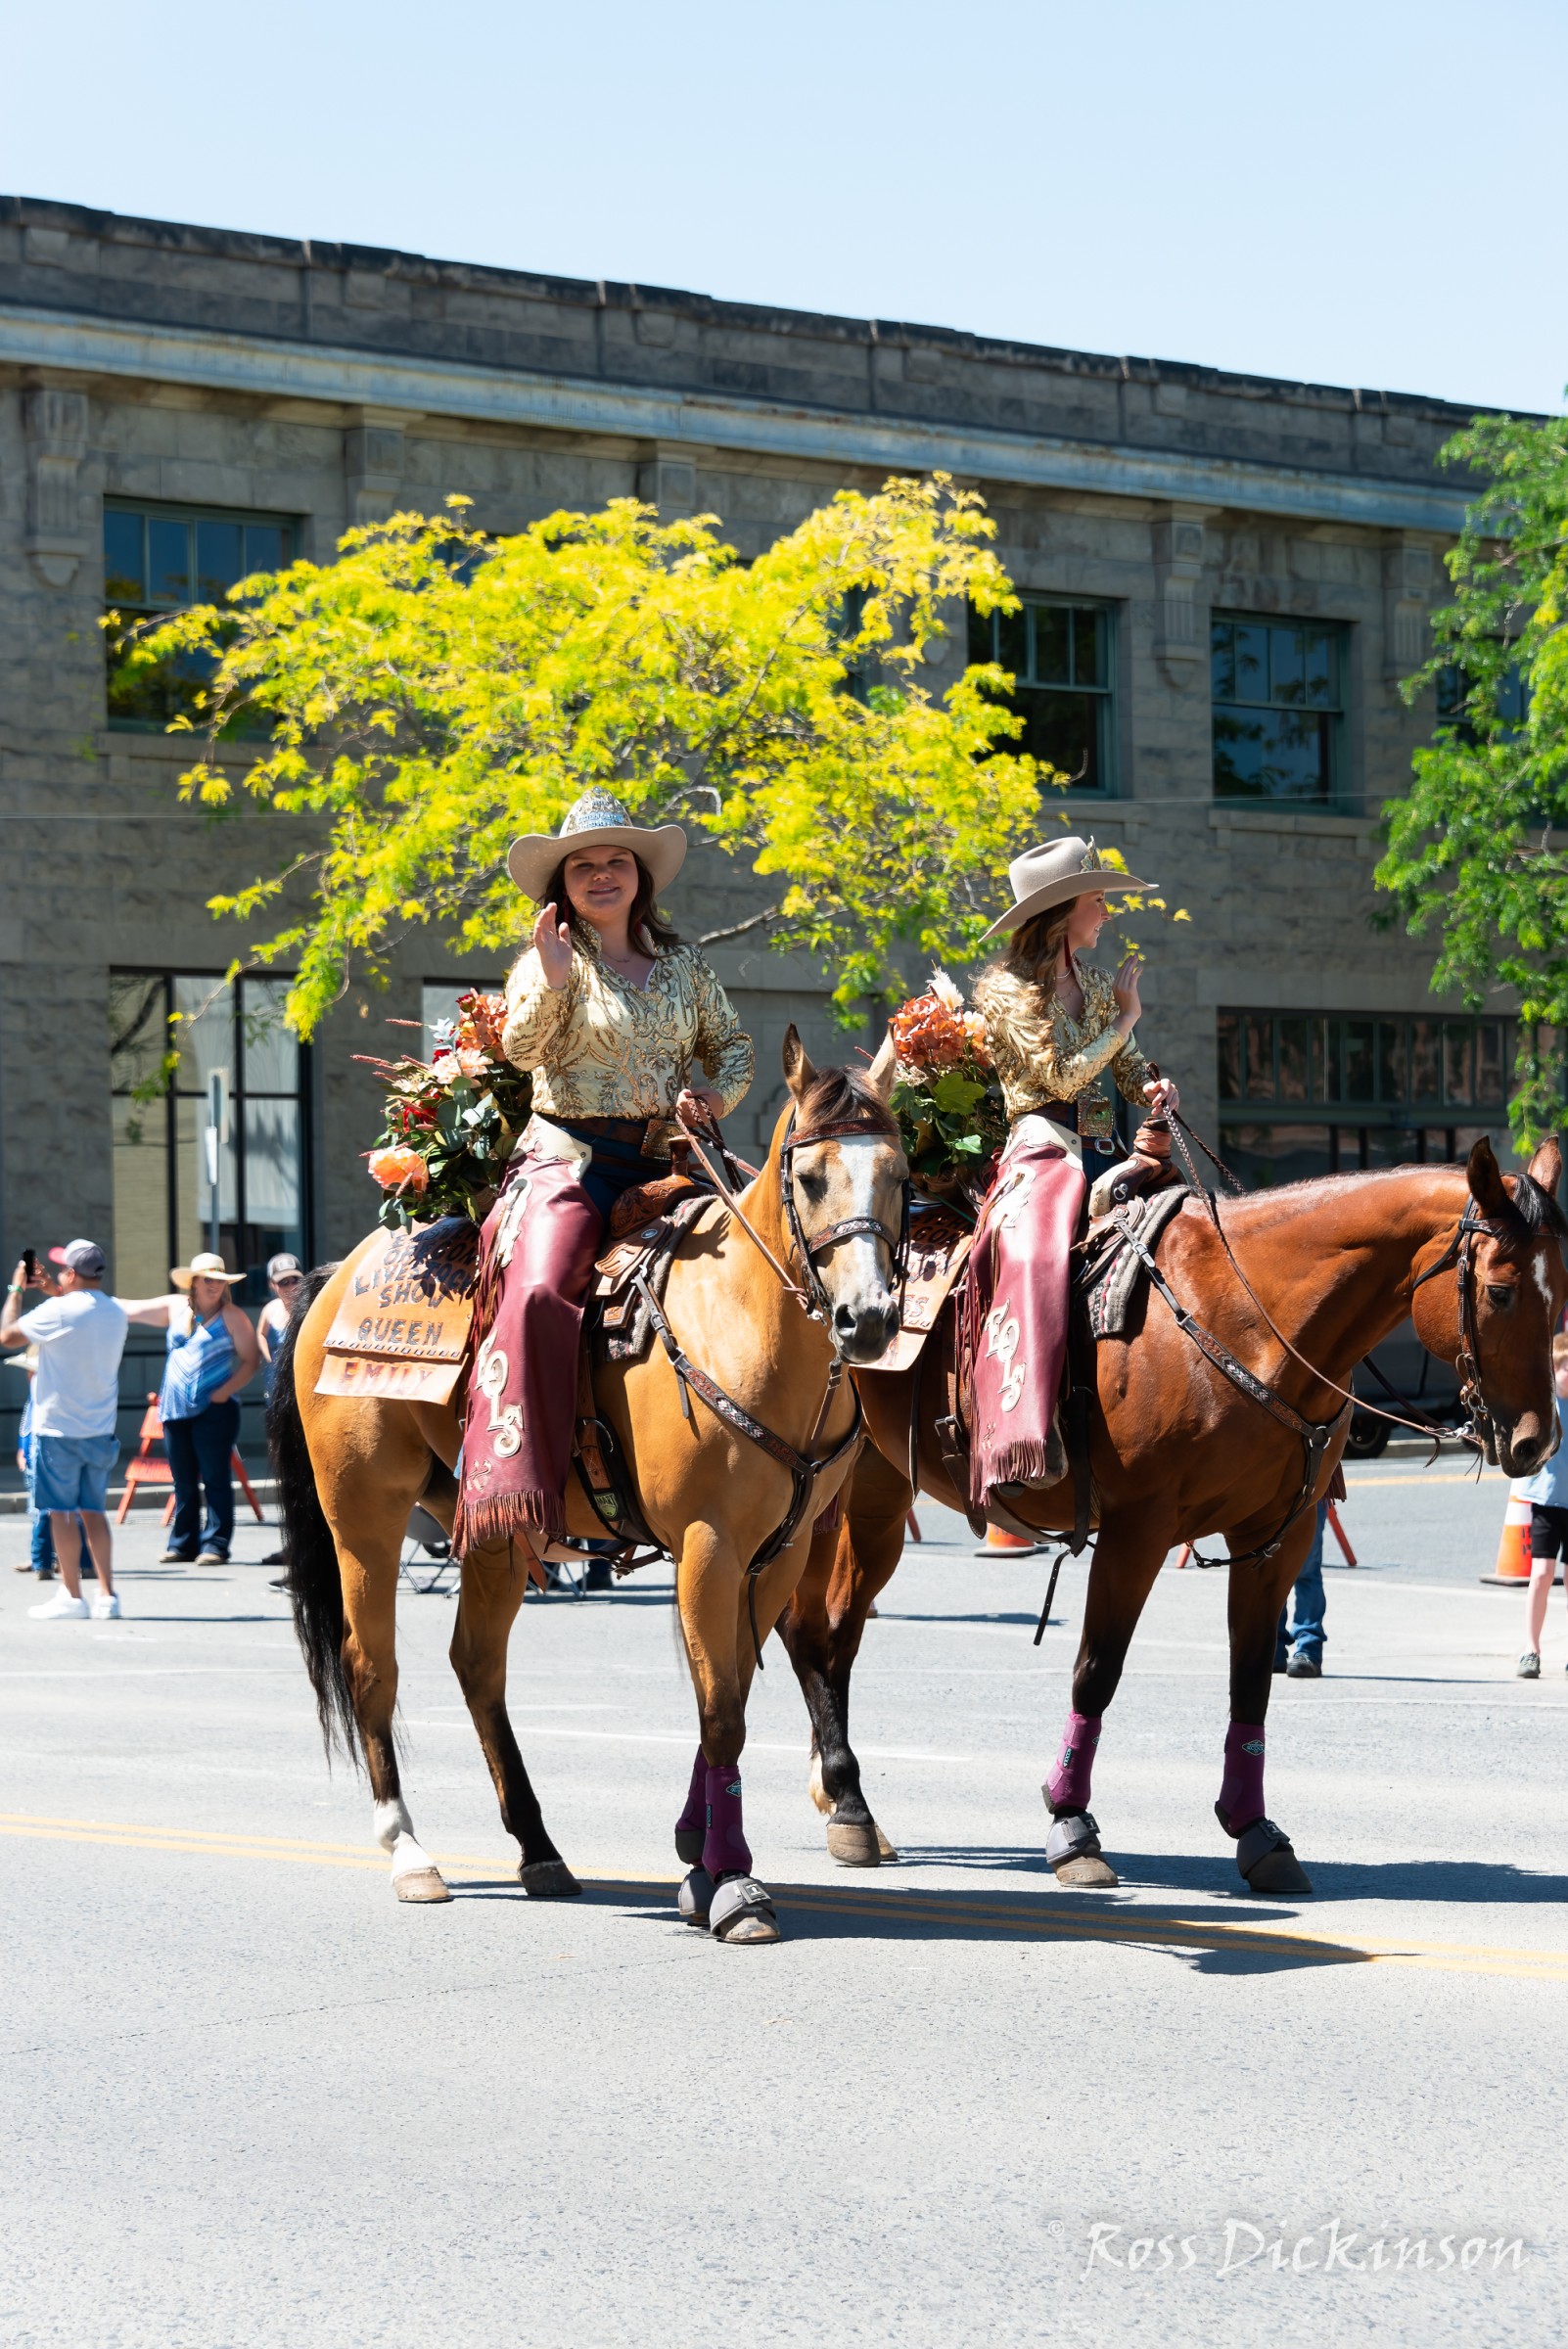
(30, 1263)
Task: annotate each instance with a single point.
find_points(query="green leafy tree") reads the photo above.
(433, 692)
(1475, 851)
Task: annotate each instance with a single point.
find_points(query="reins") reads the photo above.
(1469, 1224)
(815, 1302)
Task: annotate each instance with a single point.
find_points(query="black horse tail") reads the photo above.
(315, 1585)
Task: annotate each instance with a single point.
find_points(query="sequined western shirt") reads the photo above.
(1042, 1054)
(602, 1047)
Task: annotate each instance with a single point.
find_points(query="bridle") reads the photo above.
(809, 1246)
(1479, 1421)
(802, 1467)
(812, 1296)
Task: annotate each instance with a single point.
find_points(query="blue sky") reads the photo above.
(1347, 194)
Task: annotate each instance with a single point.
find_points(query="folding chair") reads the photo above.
(425, 1534)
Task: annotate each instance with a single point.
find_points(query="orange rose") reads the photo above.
(399, 1170)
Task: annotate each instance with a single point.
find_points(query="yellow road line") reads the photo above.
(1118, 1925)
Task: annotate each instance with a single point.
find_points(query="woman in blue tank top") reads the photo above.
(212, 1354)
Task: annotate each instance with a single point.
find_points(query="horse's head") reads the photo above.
(846, 1189)
(1508, 1295)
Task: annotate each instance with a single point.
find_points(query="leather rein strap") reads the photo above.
(800, 1467)
(813, 1298)
(1478, 1417)
(1316, 1438)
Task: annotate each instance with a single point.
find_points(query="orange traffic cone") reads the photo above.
(1512, 1569)
(998, 1543)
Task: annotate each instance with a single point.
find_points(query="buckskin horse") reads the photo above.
(738, 1428)
(1289, 1288)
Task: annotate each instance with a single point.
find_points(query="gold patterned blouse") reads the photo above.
(601, 1047)
(1042, 1054)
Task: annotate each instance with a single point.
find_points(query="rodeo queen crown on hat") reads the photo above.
(1045, 877)
(598, 819)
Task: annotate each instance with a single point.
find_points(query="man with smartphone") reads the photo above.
(80, 1336)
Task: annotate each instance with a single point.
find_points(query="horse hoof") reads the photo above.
(689, 1843)
(1072, 1853)
(741, 1909)
(1267, 1861)
(421, 1884)
(885, 1850)
(548, 1880)
(750, 1928)
(1280, 1872)
(695, 1897)
(1088, 1873)
(854, 1843)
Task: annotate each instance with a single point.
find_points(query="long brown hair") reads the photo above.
(1033, 951)
(641, 921)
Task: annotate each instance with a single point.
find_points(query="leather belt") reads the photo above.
(638, 1132)
(1060, 1113)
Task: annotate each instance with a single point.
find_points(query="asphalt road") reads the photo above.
(246, 2099)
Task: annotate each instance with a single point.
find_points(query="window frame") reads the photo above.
(157, 509)
(1105, 697)
(240, 1093)
(1336, 799)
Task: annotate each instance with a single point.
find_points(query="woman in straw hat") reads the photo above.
(1055, 1027)
(611, 1015)
(212, 1354)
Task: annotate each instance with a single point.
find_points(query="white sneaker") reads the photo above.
(61, 1607)
(107, 1610)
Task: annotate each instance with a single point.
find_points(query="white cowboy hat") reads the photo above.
(1049, 876)
(598, 817)
(205, 1266)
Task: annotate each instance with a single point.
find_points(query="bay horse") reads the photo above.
(827, 1208)
(1178, 1452)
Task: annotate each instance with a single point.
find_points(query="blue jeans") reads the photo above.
(41, 1538)
(1307, 1605)
(200, 1452)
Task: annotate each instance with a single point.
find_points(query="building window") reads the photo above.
(1454, 689)
(161, 559)
(1278, 704)
(441, 1003)
(1063, 662)
(163, 1194)
(1310, 1094)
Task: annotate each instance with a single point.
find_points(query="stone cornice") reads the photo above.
(261, 368)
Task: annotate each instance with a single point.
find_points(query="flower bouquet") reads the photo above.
(451, 1120)
(946, 1095)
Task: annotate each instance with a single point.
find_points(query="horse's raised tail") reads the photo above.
(315, 1587)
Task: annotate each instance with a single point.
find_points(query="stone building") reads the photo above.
(1226, 578)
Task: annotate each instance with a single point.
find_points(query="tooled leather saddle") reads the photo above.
(402, 1326)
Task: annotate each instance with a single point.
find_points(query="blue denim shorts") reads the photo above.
(72, 1472)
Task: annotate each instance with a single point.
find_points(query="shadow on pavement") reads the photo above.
(1210, 1941)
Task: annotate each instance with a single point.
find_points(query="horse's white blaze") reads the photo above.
(855, 1271)
(395, 1832)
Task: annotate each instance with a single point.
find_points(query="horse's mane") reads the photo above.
(839, 1097)
(1534, 1207)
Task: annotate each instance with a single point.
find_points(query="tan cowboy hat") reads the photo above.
(1049, 876)
(597, 818)
(205, 1266)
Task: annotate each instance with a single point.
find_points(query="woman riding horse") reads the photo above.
(1054, 1027)
(608, 1012)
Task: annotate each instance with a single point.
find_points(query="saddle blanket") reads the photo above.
(401, 1331)
(1113, 1274)
(402, 1327)
(939, 1250)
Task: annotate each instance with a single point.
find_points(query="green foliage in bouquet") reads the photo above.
(946, 1095)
